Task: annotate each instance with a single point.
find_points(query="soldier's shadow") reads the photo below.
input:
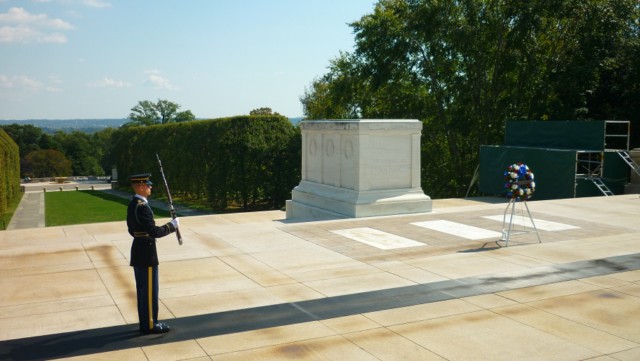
(76, 343)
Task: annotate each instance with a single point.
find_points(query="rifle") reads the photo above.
(172, 210)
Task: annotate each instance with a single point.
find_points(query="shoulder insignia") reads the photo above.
(141, 203)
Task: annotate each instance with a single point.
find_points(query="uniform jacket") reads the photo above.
(142, 227)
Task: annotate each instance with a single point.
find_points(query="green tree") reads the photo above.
(46, 141)
(47, 163)
(104, 141)
(85, 150)
(464, 67)
(144, 113)
(162, 112)
(185, 116)
(167, 111)
(81, 149)
(26, 136)
(618, 89)
(339, 94)
(263, 111)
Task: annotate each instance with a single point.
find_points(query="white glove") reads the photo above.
(175, 222)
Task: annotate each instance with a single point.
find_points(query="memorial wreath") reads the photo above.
(520, 183)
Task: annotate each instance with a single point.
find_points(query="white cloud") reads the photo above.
(21, 16)
(55, 79)
(107, 82)
(22, 83)
(97, 3)
(19, 26)
(158, 81)
(52, 38)
(90, 3)
(25, 34)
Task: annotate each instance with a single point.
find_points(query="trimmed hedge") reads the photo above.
(248, 162)
(9, 176)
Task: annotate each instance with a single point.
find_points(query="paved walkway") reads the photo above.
(254, 286)
(30, 212)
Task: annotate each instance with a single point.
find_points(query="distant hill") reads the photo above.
(295, 121)
(82, 125)
(69, 125)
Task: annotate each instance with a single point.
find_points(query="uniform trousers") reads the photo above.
(147, 290)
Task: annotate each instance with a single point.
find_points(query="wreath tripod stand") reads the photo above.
(508, 230)
(520, 185)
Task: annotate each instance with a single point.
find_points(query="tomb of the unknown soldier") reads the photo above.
(359, 168)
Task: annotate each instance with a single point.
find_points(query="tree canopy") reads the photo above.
(47, 163)
(85, 152)
(465, 67)
(263, 111)
(147, 112)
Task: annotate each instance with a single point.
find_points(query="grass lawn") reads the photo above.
(80, 207)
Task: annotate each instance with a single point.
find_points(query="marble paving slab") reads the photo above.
(459, 229)
(376, 238)
(541, 224)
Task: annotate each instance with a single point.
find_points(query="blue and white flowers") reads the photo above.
(520, 183)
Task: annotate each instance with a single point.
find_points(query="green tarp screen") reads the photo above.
(575, 134)
(554, 170)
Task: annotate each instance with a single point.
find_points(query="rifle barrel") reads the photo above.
(172, 210)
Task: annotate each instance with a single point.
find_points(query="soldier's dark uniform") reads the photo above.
(144, 257)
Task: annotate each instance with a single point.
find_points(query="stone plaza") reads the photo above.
(254, 286)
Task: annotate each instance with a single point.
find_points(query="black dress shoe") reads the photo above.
(159, 327)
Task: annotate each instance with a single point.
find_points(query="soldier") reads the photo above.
(144, 256)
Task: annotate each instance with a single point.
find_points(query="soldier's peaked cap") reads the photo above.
(140, 178)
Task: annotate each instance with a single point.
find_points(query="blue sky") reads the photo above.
(71, 59)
